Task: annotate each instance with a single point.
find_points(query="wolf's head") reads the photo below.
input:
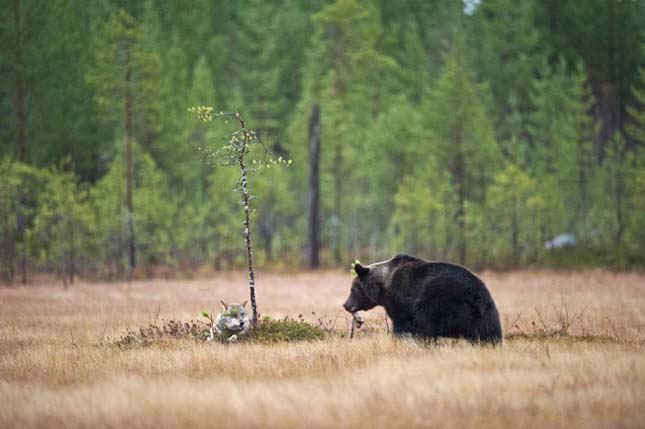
(234, 316)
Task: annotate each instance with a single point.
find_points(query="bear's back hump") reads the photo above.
(416, 276)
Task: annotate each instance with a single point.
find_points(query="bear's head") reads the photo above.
(367, 288)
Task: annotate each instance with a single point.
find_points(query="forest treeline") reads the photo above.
(468, 131)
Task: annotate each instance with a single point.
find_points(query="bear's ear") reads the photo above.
(361, 270)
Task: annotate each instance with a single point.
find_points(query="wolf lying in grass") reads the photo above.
(231, 322)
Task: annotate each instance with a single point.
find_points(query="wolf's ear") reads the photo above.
(224, 305)
(361, 270)
(244, 303)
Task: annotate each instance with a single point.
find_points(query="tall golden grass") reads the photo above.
(58, 367)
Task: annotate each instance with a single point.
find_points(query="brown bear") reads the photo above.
(427, 299)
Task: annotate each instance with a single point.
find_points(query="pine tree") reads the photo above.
(169, 152)
(616, 182)
(63, 231)
(636, 112)
(607, 37)
(21, 36)
(462, 137)
(156, 218)
(506, 50)
(20, 189)
(255, 56)
(352, 82)
(391, 149)
(562, 134)
(512, 201)
(124, 76)
(636, 129)
(422, 220)
(9, 183)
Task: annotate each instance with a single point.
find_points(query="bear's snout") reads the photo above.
(348, 306)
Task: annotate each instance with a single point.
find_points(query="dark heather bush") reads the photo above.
(427, 299)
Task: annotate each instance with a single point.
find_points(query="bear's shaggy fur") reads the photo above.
(427, 299)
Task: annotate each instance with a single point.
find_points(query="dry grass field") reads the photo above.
(60, 368)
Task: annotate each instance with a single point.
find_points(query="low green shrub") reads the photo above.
(268, 330)
(284, 330)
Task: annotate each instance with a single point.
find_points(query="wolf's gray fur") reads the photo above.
(231, 322)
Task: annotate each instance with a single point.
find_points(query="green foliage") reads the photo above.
(421, 221)
(561, 132)
(270, 330)
(124, 62)
(388, 152)
(63, 234)
(636, 125)
(353, 82)
(513, 218)
(9, 199)
(441, 131)
(272, 193)
(459, 125)
(509, 54)
(464, 142)
(20, 189)
(154, 215)
(275, 212)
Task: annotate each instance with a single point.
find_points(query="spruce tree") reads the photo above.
(463, 139)
(63, 232)
(636, 112)
(351, 81)
(124, 77)
(562, 151)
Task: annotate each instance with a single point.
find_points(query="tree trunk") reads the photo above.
(72, 255)
(515, 237)
(459, 171)
(583, 168)
(129, 137)
(268, 247)
(338, 195)
(19, 68)
(62, 268)
(266, 232)
(613, 96)
(246, 136)
(620, 221)
(247, 231)
(313, 197)
(22, 149)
